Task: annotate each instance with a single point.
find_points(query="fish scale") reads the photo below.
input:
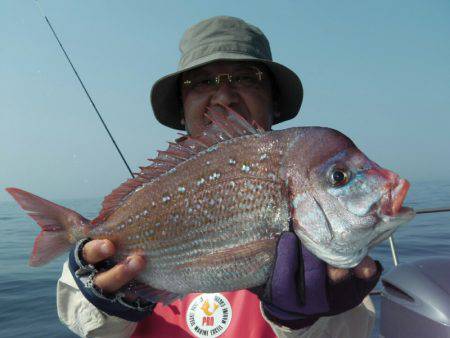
(236, 221)
(240, 180)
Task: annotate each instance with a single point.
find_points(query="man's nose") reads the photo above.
(225, 94)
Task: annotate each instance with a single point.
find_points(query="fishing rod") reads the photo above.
(84, 88)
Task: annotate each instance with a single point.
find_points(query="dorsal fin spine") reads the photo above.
(222, 128)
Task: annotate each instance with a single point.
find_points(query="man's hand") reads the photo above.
(364, 270)
(303, 288)
(90, 263)
(122, 273)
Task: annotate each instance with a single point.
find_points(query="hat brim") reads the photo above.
(165, 94)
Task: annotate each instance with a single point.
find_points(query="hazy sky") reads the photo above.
(377, 70)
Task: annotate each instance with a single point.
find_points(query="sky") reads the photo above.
(378, 71)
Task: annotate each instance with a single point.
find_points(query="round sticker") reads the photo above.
(208, 315)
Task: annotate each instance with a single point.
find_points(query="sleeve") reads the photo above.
(355, 323)
(83, 318)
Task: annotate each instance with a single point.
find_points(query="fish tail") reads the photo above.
(61, 227)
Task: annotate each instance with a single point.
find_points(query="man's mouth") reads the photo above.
(218, 109)
(222, 109)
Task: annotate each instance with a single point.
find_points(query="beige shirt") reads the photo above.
(85, 320)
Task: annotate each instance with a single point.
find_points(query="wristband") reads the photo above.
(112, 304)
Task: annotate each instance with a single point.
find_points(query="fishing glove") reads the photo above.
(299, 292)
(114, 304)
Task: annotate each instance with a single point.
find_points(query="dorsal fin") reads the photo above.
(223, 127)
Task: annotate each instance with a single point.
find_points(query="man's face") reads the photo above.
(251, 99)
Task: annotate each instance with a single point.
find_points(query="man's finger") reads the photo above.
(366, 269)
(337, 274)
(97, 250)
(112, 280)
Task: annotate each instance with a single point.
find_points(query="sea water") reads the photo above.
(27, 295)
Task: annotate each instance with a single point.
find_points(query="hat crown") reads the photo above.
(230, 39)
(222, 34)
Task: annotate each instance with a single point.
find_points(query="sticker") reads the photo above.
(208, 315)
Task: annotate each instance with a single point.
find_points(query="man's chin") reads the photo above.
(217, 109)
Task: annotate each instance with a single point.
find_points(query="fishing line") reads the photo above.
(432, 210)
(84, 87)
(392, 244)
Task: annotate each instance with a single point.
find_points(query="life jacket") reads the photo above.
(226, 314)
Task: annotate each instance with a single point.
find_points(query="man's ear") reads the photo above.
(276, 110)
(181, 112)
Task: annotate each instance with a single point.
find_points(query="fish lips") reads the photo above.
(392, 202)
(390, 209)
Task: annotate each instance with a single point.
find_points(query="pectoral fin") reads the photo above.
(261, 247)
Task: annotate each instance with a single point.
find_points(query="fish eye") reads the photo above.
(339, 177)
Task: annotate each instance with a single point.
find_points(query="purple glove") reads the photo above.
(299, 291)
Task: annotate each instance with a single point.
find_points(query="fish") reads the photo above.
(207, 213)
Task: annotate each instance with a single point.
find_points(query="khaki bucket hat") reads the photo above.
(224, 38)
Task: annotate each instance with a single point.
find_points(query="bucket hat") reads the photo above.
(224, 38)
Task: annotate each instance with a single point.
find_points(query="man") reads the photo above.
(225, 62)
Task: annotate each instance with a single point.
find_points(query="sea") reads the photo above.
(27, 295)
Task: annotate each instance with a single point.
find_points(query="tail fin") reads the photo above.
(61, 227)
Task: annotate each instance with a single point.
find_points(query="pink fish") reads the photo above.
(207, 213)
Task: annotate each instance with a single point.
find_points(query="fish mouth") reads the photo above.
(391, 210)
(391, 204)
